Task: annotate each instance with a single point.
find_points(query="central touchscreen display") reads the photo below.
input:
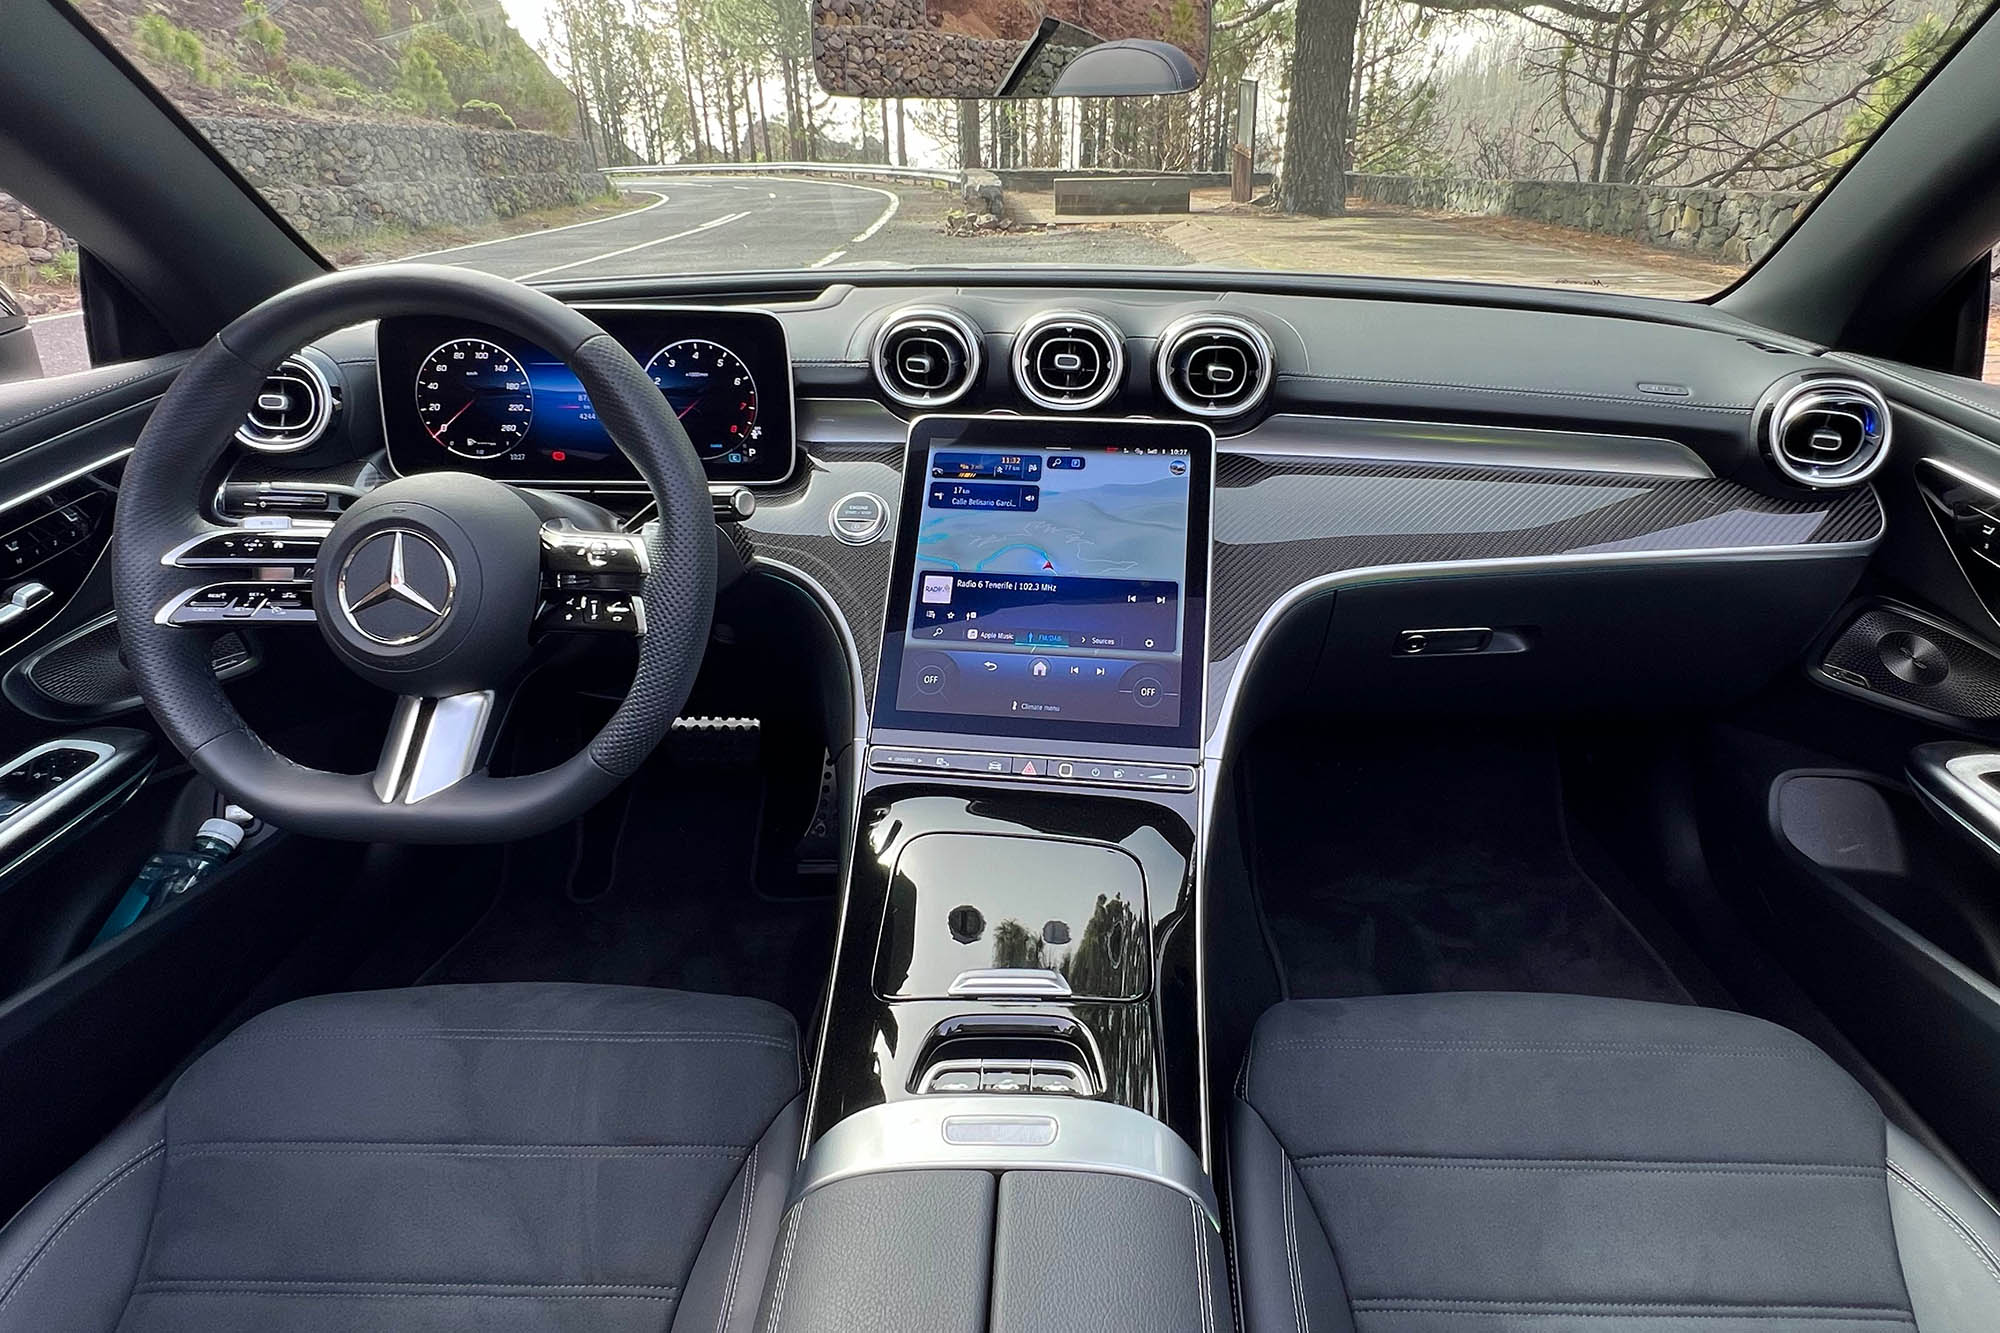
(1050, 581)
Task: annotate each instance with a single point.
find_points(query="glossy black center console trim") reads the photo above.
(1145, 1052)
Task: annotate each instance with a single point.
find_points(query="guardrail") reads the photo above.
(950, 180)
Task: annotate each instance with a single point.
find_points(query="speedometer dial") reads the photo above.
(474, 398)
(714, 395)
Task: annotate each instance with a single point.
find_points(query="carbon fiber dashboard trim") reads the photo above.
(1282, 522)
(794, 529)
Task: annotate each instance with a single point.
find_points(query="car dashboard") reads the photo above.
(1516, 506)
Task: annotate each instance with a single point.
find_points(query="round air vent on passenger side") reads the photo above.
(1214, 365)
(1824, 431)
(926, 357)
(292, 411)
(1068, 361)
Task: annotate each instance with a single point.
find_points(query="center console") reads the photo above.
(1014, 1025)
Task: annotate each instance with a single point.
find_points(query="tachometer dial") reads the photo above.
(713, 393)
(474, 398)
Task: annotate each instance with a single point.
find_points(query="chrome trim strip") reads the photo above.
(1963, 792)
(43, 488)
(296, 528)
(1458, 444)
(918, 1134)
(850, 799)
(1008, 983)
(42, 822)
(432, 745)
(1963, 477)
(165, 615)
(1215, 747)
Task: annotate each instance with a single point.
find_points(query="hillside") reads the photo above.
(442, 60)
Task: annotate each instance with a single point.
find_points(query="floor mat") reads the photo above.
(656, 887)
(1397, 865)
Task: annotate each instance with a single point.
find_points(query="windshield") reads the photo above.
(1647, 146)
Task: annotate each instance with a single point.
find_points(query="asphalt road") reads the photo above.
(736, 224)
(696, 225)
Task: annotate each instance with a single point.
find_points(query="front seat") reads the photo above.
(509, 1157)
(1485, 1163)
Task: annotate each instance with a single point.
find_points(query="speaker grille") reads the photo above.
(1912, 660)
(86, 672)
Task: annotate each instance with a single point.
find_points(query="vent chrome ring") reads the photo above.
(1256, 379)
(904, 328)
(1065, 339)
(269, 426)
(1806, 433)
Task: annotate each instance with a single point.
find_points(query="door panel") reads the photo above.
(1883, 905)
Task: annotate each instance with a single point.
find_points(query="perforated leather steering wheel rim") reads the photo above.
(160, 505)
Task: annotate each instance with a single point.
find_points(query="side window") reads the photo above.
(1992, 373)
(41, 323)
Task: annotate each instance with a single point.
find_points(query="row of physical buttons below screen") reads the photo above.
(1032, 767)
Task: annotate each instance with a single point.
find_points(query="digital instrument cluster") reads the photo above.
(464, 396)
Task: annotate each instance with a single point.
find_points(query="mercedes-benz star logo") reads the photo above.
(408, 582)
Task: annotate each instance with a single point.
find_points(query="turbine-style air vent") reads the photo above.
(927, 357)
(1825, 431)
(293, 409)
(1215, 365)
(1068, 361)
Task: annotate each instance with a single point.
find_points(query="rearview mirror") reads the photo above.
(1009, 48)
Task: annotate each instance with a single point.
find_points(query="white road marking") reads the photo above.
(895, 202)
(60, 314)
(643, 245)
(658, 199)
(828, 260)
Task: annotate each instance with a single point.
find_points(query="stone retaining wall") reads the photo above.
(333, 178)
(1044, 178)
(26, 237)
(1736, 226)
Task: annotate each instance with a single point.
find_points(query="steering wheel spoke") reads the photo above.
(260, 575)
(591, 580)
(433, 745)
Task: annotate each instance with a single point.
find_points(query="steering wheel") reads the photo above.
(434, 587)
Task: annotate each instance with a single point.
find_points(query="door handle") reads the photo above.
(1960, 783)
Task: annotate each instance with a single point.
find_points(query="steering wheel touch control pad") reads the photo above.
(428, 587)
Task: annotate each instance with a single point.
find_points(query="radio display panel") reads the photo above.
(1051, 580)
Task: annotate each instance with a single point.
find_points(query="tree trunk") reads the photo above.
(1633, 95)
(1316, 121)
(764, 118)
(902, 135)
(968, 134)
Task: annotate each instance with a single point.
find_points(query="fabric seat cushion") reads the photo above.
(499, 1157)
(1460, 1162)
